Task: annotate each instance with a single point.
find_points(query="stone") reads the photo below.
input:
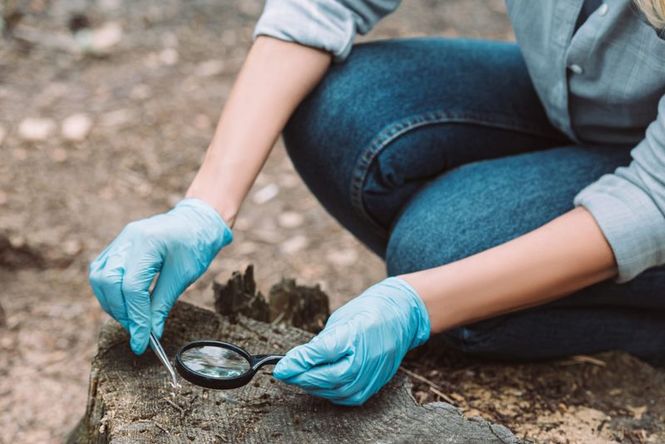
(72, 247)
(168, 56)
(265, 194)
(294, 244)
(209, 68)
(76, 127)
(342, 258)
(100, 40)
(290, 219)
(36, 129)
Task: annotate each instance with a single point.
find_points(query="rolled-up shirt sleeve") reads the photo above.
(330, 25)
(629, 205)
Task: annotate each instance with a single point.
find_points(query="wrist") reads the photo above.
(206, 188)
(219, 234)
(224, 209)
(418, 315)
(435, 289)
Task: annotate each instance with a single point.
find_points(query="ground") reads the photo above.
(152, 92)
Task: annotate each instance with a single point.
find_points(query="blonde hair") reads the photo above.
(654, 11)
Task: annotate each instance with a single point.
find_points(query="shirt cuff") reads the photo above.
(631, 222)
(324, 25)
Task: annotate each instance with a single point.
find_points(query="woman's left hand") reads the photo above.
(361, 346)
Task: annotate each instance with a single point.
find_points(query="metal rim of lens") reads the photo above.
(210, 381)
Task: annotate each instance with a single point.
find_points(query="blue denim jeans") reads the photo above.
(431, 150)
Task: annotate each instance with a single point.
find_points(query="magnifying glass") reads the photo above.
(219, 365)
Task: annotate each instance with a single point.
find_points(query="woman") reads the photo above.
(496, 180)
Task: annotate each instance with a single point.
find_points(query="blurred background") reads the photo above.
(106, 108)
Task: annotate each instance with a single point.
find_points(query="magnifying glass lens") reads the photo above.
(215, 362)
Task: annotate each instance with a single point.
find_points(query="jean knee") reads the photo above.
(420, 240)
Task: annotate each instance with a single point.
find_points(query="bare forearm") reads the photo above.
(274, 79)
(551, 262)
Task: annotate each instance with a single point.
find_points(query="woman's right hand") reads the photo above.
(176, 247)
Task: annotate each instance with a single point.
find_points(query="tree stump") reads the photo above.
(300, 306)
(130, 399)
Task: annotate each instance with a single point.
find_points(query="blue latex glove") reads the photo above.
(361, 346)
(179, 245)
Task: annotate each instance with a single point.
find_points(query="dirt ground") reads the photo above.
(151, 94)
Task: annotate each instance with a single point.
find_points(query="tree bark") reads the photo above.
(130, 399)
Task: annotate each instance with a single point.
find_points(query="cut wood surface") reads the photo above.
(130, 399)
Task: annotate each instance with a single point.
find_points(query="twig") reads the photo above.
(162, 428)
(434, 387)
(175, 406)
(584, 359)
(158, 425)
(228, 398)
(278, 318)
(257, 404)
(601, 425)
(421, 378)
(445, 397)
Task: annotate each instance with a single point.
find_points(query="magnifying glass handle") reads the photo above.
(261, 360)
(161, 354)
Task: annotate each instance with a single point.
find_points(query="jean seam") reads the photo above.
(401, 127)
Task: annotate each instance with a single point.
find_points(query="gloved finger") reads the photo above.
(356, 393)
(350, 383)
(330, 345)
(108, 282)
(326, 380)
(101, 297)
(139, 274)
(94, 276)
(364, 380)
(170, 284)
